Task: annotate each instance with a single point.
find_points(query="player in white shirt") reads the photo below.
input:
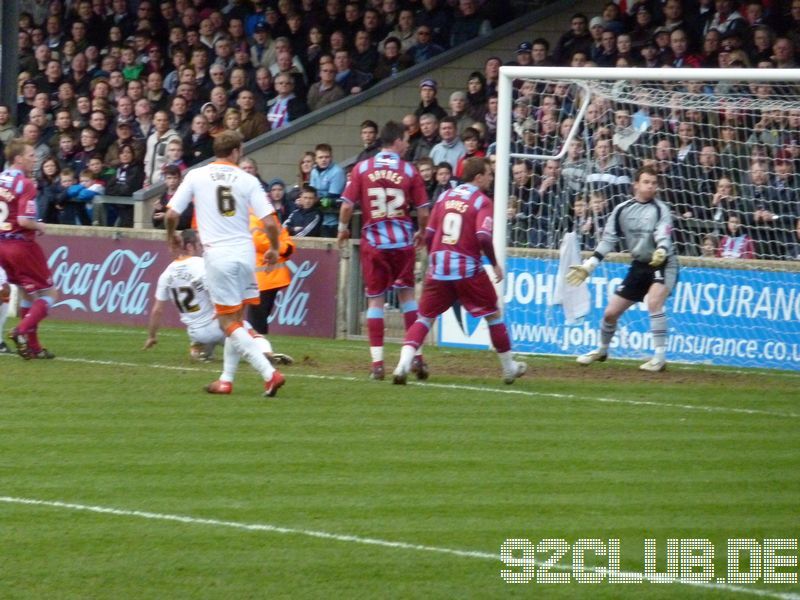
(183, 284)
(5, 297)
(224, 195)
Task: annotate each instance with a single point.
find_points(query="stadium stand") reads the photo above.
(108, 63)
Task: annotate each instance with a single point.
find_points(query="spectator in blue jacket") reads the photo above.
(328, 179)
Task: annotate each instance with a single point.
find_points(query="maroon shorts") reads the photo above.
(476, 294)
(384, 269)
(25, 264)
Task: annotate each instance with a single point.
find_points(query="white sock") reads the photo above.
(407, 354)
(4, 308)
(506, 360)
(661, 353)
(263, 343)
(376, 352)
(230, 361)
(247, 346)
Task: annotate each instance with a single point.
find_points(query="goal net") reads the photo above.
(726, 146)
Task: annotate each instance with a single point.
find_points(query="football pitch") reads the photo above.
(121, 478)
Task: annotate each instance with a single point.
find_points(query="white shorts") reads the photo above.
(230, 274)
(3, 277)
(211, 333)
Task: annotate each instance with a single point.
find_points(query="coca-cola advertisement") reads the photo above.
(113, 281)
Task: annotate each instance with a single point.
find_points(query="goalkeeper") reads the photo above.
(642, 224)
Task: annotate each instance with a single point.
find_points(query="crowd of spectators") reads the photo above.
(118, 95)
(118, 92)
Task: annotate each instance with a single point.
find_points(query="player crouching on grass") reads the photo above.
(183, 282)
(458, 232)
(645, 225)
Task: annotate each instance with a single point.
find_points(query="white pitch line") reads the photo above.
(355, 539)
(358, 344)
(482, 390)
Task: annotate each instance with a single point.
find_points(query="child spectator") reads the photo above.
(708, 248)
(425, 168)
(79, 197)
(98, 169)
(444, 179)
(472, 142)
(88, 147)
(66, 151)
(172, 179)
(277, 195)
(736, 243)
(66, 179)
(305, 221)
(174, 156)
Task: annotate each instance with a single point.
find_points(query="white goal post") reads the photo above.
(704, 129)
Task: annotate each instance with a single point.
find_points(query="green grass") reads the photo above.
(462, 462)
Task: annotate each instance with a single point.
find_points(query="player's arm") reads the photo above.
(345, 214)
(430, 228)
(484, 226)
(153, 324)
(26, 207)
(423, 215)
(31, 223)
(423, 206)
(350, 195)
(171, 220)
(662, 235)
(271, 230)
(577, 274)
(263, 210)
(487, 247)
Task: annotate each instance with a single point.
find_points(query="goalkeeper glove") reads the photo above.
(658, 258)
(579, 273)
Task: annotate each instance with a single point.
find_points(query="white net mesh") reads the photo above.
(726, 162)
(727, 156)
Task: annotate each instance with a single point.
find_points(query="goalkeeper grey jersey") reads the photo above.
(640, 227)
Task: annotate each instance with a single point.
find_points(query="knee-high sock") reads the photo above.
(247, 347)
(498, 333)
(409, 309)
(24, 307)
(230, 361)
(375, 333)
(607, 331)
(658, 327)
(261, 340)
(4, 307)
(37, 312)
(415, 337)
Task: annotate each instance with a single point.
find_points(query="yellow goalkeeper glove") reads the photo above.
(658, 258)
(579, 273)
